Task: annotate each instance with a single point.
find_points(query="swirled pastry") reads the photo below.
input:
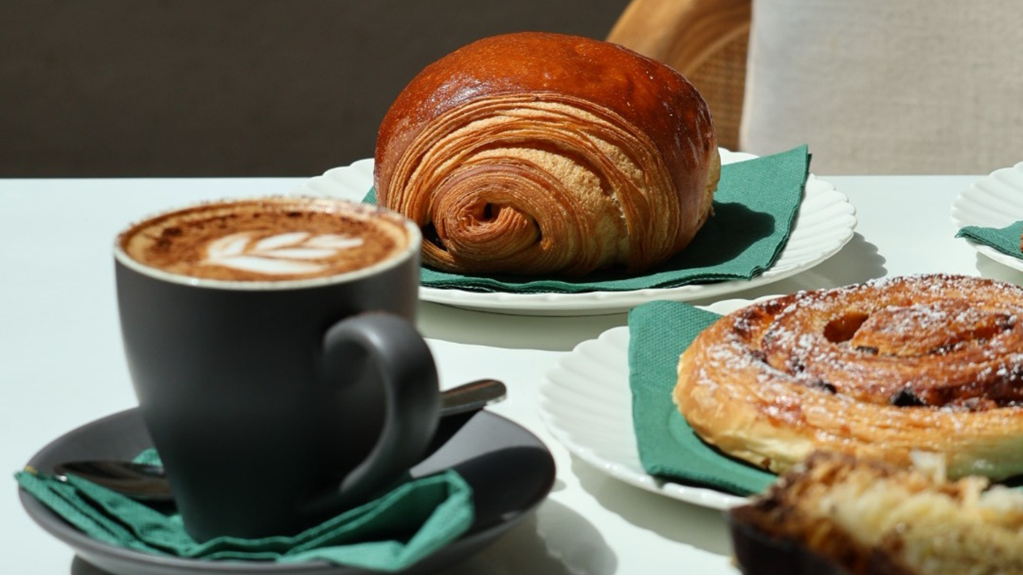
(536, 154)
(884, 369)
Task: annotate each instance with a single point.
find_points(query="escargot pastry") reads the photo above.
(548, 154)
(884, 369)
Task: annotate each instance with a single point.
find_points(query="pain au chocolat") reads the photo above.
(885, 370)
(548, 154)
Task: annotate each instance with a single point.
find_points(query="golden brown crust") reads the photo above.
(849, 515)
(785, 519)
(538, 153)
(930, 363)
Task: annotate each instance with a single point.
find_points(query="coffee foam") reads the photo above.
(284, 254)
(267, 239)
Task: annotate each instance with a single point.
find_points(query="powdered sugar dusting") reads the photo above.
(894, 364)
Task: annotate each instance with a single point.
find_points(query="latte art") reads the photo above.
(281, 254)
(267, 239)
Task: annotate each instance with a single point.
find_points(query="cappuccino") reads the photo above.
(297, 312)
(267, 239)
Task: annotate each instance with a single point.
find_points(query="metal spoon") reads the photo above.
(148, 483)
(471, 396)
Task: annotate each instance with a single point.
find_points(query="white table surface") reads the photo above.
(61, 361)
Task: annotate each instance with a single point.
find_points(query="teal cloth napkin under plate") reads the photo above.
(388, 534)
(754, 208)
(658, 333)
(1006, 240)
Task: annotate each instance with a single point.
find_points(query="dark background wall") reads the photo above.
(229, 87)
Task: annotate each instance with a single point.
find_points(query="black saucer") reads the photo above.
(510, 471)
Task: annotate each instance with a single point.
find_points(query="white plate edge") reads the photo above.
(959, 214)
(706, 497)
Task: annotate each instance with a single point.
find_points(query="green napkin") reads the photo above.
(388, 534)
(1005, 240)
(658, 333)
(754, 207)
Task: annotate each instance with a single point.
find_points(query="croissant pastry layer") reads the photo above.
(884, 369)
(535, 154)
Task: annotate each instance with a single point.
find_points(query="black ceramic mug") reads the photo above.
(272, 349)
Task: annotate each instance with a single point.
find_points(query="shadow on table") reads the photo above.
(700, 527)
(553, 540)
(989, 268)
(857, 261)
(554, 333)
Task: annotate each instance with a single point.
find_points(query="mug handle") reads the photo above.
(412, 396)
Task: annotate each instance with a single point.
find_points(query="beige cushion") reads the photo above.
(887, 87)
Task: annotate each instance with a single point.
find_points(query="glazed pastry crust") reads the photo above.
(930, 363)
(535, 153)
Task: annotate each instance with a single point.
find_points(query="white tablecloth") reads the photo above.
(61, 362)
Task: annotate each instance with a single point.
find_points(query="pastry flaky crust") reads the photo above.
(537, 153)
(837, 514)
(884, 369)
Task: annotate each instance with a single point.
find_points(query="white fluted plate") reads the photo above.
(824, 223)
(586, 403)
(994, 201)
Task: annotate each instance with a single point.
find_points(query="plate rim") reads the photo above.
(606, 302)
(697, 495)
(959, 209)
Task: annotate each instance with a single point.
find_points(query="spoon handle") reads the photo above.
(472, 396)
(144, 482)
